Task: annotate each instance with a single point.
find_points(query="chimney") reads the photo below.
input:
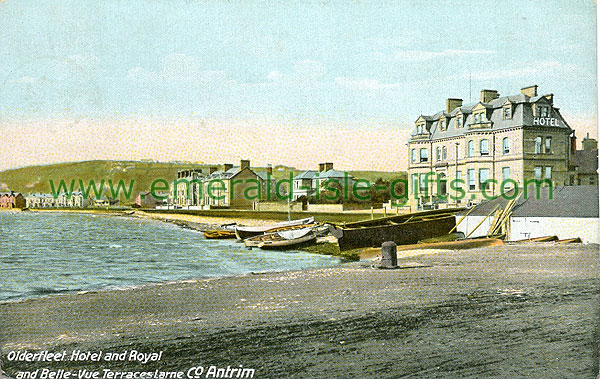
(321, 167)
(589, 143)
(212, 169)
(227, 166)
(269, 169)
(488, 95)
(452, 104)
(550, 98)
(328, 166)
(573, 144)
(244, 163)
(530, 91)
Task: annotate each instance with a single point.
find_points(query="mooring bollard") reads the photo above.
(389, 255)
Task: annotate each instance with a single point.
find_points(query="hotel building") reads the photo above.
(518, 137)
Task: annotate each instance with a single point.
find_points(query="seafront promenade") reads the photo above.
(526, 310)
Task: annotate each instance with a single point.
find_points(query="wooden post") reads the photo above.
(461, 219)
(482, 220)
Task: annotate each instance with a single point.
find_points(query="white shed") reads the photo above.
(571, 212)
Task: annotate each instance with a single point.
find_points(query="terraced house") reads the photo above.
(518, 137)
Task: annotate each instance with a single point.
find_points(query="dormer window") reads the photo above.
(543, 112)
(459, 122)
(476, 118)
(482, 117)
(507, 112)
(443, 125)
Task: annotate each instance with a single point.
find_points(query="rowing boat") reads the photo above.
(282, 240)
(244, 232)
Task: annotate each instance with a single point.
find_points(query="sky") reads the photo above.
(278, 82)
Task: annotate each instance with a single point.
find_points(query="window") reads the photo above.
(538, 145)
(443, 125)
(482, 117)
(537, 173)
(471, 178)
(507, 113)
(424, 155)
(458, 175)
(470, 148)
(505, 173)
(422, 180)
(459, 122)
(415, 182)
(483, 147)
(444, 153)
(544, 112)
(476, 119)
(484, 175)
(505, 145)
(548, 145)
(413, 155)
(547, 172)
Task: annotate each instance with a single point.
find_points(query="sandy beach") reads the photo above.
(503, 311)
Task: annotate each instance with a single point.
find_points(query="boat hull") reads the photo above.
(402, 233)
(288, 244)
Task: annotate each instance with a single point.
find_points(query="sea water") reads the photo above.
(43, 253)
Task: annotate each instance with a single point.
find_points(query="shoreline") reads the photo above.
(499, 301)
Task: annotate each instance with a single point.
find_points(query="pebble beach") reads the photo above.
(527, 310)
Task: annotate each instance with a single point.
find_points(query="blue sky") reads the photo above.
(331, 60)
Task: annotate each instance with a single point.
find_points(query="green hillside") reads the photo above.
(35, 179)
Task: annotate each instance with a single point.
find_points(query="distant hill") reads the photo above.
(35, 179)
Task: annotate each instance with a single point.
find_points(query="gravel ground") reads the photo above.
(505, 311)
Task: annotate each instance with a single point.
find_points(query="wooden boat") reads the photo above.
(244, 232)
(570, 240)
(282, 240)
(403, 229)
(464, 244)
(219, 234)
(540, 239)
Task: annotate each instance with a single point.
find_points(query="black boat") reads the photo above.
(402, 229)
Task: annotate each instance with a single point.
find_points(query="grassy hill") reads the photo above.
(34, 179)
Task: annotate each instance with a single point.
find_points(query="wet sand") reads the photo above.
(505, 311)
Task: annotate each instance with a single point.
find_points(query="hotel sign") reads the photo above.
(545, 121)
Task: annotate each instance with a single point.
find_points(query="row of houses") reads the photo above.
(241, 187)
(16, 200)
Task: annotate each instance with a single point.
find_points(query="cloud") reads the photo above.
(422, 55)
(364, 83)
(305, 72)
(523, 70)
(178, 68)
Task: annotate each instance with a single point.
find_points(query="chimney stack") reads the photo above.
(589, 143)
(244, 163)
(212, 169)
(269, 169)
(488, 95)
(321, 167)
(452, 104)
(227, 166)
(530, 91)
(328, 166)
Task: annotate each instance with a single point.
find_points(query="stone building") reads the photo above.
(585, 163)
(492, 146)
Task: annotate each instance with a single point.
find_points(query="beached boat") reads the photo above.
(282, 240)
(403, 229)
(219, 234)
(539, 239)
(244, 232)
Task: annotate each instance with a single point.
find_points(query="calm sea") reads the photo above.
(48, 253)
